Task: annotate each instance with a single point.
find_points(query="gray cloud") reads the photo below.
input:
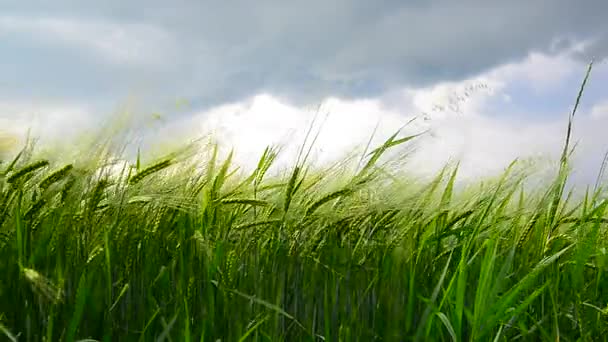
(217, 51)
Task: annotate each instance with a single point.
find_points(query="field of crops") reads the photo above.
(187, 248)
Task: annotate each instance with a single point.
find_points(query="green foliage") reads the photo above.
(199, 252)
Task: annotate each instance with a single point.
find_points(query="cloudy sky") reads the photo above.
(490, 80)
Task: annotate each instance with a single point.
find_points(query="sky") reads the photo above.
(488, 81)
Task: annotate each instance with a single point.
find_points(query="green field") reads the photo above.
(189, 248)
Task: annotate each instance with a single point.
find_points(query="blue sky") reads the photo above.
(251, 73)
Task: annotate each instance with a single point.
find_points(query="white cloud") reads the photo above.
(264, 120)
(49, 122)
(542, 72)
(600, 110)
(129, 42)
(459, 122)
(484, 143)
(217, 53)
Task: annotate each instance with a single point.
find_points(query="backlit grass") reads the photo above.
(183, 248)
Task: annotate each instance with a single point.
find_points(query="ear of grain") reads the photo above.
(526, 232)
(97, 194)
(327, 198)
(244, 201)
(10, 166)
(221, 176)
(34, 209)
(43, 285)
(55, 176)
(139, 176)
(27, 170)
(291, 186)
(256, 224)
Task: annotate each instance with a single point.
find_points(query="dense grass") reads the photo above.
(184, 249)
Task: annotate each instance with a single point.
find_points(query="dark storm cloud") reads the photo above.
(217, 51)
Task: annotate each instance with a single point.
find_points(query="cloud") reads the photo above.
(484, 130)
(600, 111)
(130, 43)
(47, 121)
(458, 127)
(214, 52)
(494, 81)
(250, 126)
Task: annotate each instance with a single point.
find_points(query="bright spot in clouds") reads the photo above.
(484, 91)
(458, 127)
(600, 111)
(456, 118)
(116, 43)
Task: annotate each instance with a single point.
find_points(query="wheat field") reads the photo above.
(186, 248)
